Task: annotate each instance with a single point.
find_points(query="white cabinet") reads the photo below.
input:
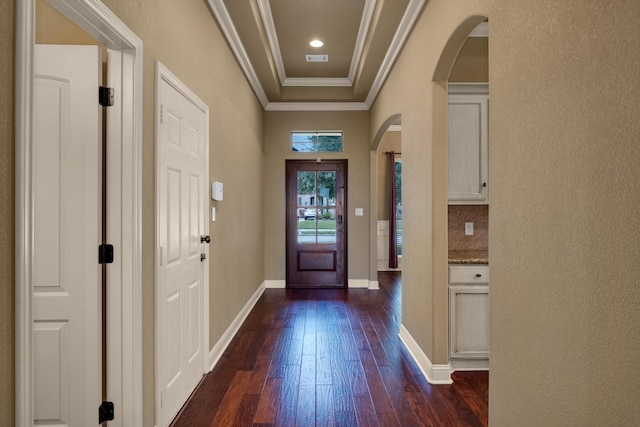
(468, 135)
(469, 316)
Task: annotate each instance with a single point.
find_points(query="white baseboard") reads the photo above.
(374, 285)
(216, 352)
(352, 283)
(358, 283)
(435, 374)
(275, 284)
(469, 364)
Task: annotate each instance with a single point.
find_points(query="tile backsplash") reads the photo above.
(458, 215)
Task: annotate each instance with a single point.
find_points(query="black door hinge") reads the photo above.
(105, 254)
(106, 412)
(105, 96)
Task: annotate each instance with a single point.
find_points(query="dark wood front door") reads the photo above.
(316, 223)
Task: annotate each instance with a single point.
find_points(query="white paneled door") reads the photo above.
(182, 138)
(67, 353)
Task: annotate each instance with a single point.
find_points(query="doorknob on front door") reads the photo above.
(204, 239)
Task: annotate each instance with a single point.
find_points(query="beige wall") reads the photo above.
(472, 62)
(565, 180)
(7, 234)
(277, 148)
(391, 141)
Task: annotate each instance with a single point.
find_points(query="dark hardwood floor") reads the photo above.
(326, 357)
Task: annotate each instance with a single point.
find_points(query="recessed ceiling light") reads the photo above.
(316, 43)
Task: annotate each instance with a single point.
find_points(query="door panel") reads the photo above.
(67, 353)
(183, 177)
(316, 223)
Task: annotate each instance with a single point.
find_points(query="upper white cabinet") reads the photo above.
(468, 132)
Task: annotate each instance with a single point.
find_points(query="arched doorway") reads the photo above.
(460, 79)
(389, 136)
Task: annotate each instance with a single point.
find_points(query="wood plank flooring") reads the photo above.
(329, 357)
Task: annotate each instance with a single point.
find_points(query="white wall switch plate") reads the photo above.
(359, 211)
(213, 214)
(468, 229)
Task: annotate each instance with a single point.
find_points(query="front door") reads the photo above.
(67, 193)
(316, 223)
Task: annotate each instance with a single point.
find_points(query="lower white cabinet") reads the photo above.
(469, 315)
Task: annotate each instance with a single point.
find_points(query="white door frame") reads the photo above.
(124, 198)
(164, 74)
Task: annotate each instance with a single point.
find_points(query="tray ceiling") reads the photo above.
(270, 39)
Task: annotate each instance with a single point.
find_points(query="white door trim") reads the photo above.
(164, 74)
(124, 359)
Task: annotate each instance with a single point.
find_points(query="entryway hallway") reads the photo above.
(329, 357)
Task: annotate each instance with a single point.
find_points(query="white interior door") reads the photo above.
(67, 189)
(182, 268)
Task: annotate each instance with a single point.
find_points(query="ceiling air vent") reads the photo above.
(317, 58)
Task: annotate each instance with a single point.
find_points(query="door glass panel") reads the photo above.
(327, 225)
(327, 188)
(316, 212)
(306, 188)
(307, 226)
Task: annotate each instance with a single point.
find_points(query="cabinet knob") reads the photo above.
(478, 275)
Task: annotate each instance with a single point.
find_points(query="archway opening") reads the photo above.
(460, 221)
(387, 139)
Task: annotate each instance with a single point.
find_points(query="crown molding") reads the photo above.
(269, 27)
(363, 30)
(406, 24)
(468, 88)
(317, 106)
(317, 81)
(222, 15)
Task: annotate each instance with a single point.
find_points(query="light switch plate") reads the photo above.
(468, 229)
(213, 214)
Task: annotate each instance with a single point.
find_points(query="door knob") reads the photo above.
(205, 239)
(202, 257)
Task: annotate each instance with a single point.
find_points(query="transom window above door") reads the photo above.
(316, 141)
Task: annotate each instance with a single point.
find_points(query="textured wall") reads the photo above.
(472, 63)
(6, 216)
(277, 137)
(564, 156)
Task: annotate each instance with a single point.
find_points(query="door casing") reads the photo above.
(124, 212)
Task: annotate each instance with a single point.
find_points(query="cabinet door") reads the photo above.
(469, 321)
(468, 149)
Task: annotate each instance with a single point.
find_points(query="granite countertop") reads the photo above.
(468, 257)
